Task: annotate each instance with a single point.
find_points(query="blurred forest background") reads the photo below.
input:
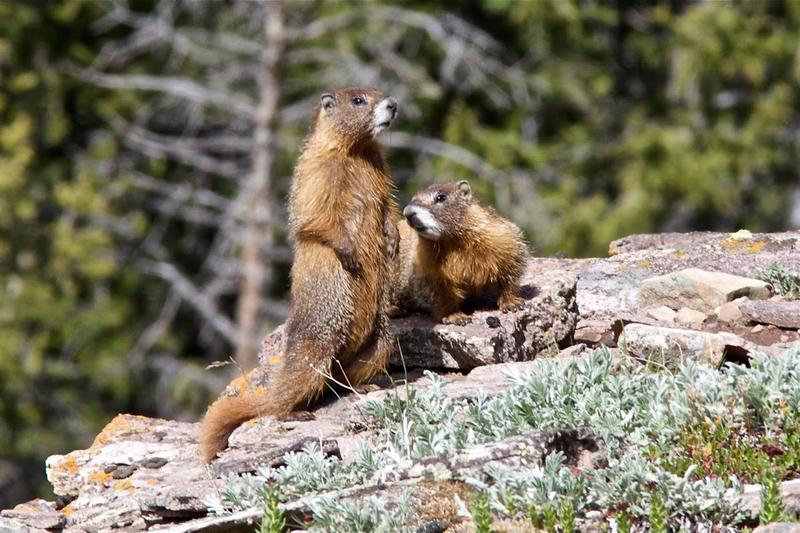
(146, 148)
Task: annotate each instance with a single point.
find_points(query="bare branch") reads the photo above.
(177, 87)
(198, 299)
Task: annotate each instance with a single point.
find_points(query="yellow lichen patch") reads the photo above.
(679, 253)
(747, 247)
(274, 359)
(241, 383)
(123, 425)
(68, 510)
(124, 484)
(99, 477)
(69, 465)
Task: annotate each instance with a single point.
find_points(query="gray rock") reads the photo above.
(729, 312)
(662, 313)
(689, 317)
(699, 289)
(784, 314)
(779, 527)
(750, 500)
(671, 346)
(546, 321)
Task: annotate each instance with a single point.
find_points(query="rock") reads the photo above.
(699, 289)
(574, 351)
(34, 515)
(784, 314)
(729, 312)
(546, 322)
(779, 527)
(689, 317)
(167, 486)
(662, 313)
(594, 332)
(750, 500)
(670, 346)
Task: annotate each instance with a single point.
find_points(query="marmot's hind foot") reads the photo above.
(457, 319)
(510, 304)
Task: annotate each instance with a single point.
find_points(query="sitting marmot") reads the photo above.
(458, 249)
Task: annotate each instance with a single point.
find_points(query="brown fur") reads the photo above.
(341, 217)
(477, 251)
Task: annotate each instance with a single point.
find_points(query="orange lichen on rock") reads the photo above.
(69, 465)
(99, 477)
(123, 425)
(744, 246)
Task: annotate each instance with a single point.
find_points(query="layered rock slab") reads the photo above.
(546, 322)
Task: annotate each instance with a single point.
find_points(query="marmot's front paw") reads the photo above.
(458, 319)
(394, 311)
(348, 260)
(507, 305)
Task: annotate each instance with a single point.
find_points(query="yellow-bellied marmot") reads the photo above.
(342, 221)
(454, 248)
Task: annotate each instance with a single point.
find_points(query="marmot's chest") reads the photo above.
(467, 269)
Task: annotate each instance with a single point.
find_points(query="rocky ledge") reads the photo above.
(661, 298)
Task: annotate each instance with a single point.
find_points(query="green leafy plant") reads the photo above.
(274, 518)
(659, 518)
(771, 499)
(783, 280)
(481, 512)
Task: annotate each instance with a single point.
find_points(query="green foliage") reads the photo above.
(624, 521)
(274, 518)
(783, 280)
(567, 515)
(771, 499)
(642, 417)
(659, 515)
(481, 513)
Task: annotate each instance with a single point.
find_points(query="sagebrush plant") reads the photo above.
(783, 280)
(642, 416)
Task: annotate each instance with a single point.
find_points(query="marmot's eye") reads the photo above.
(439, 198)
(357, 100)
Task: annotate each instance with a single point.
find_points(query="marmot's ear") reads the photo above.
(327, 102)
(464, 189)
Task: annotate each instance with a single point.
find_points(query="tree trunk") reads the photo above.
(257, 208)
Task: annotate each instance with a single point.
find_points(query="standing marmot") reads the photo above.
(458, 249)
(341, 218)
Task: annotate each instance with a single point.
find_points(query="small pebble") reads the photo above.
(123, 471)
(492, 321)
(109, 468)
(154, 462)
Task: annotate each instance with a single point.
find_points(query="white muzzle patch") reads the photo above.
(423, 222)
(383, 115)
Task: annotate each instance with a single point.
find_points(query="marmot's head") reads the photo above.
(347, 117)
(437, 212)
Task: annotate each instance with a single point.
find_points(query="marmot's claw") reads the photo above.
(456, 319)
(511, 304)
(394, 311)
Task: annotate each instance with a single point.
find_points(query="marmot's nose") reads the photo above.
(408, 212)
(391, 104)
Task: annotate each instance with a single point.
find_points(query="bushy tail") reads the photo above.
(288, 388)
(223, 416)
